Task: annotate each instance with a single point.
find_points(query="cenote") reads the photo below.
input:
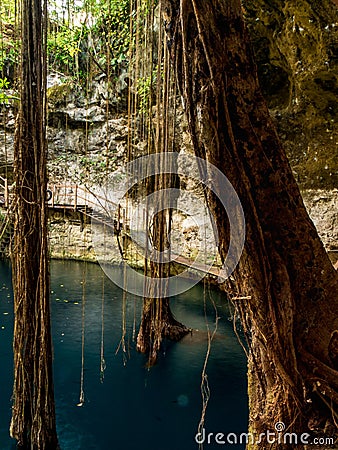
(131, 407)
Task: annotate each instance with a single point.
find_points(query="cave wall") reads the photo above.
(296, 48)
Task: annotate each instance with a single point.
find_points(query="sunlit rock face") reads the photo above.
(296, 47)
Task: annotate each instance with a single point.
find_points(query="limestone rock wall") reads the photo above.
(322, 206)
(70, 236)
(296, 47)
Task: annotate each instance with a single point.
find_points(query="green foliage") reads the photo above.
(63, 47)
(145, 88)
(4, 96)
(9, 54)
(7, 10)
(9, 48)
(84, 39)
(4, 84)
(99, 38)
(112, 32)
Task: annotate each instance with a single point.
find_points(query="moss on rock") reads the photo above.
(59, 95)
(296, 46)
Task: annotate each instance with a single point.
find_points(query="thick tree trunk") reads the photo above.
(33, 416)
(291, 317)
(158, 322)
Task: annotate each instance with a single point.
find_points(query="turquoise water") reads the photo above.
(132, 408)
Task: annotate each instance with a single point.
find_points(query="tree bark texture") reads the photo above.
(290, 315)
(158, 322)
(33, 414)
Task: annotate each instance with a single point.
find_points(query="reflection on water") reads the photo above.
(133, 408)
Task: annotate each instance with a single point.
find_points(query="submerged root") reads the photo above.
(153, 332)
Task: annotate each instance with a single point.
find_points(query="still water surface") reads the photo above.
(132, 408)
